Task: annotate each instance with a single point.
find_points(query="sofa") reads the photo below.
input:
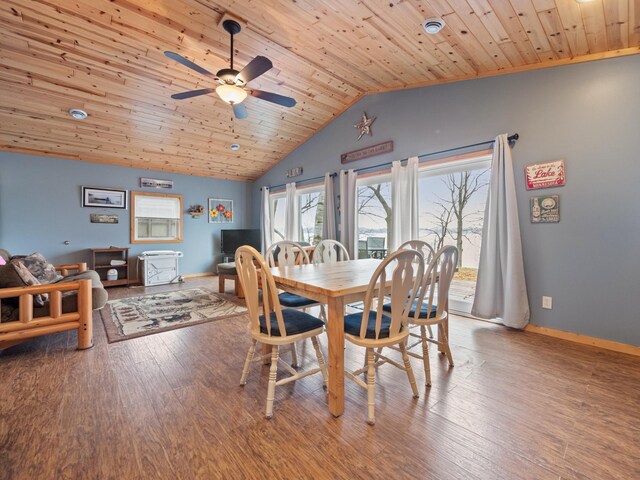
(37, 298)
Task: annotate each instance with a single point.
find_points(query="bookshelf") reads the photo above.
(102, 258)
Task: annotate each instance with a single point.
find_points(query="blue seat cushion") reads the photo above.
(352, 325)
(294, 301)
(423, 309)
(295, 322)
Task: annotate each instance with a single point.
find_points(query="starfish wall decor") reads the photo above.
(364, 125)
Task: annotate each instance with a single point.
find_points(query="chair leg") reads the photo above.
(371, 386)
(425, 356)
(430, 331)
(323, 313)
(271, 390)
(294, 356)
(323, 367)
(247, 362)
(447, 349)
(409, 370)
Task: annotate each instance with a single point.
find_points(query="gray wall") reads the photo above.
(40, 208)
(586, 114)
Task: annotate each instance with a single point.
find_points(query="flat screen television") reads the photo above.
(231, 240)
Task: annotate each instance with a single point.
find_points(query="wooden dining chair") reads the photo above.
(287, 253)
(375, 328)
(429, 308)
(427, 252)
(329, 251)
(275, 327)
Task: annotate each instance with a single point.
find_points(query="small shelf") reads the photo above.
(101, 264)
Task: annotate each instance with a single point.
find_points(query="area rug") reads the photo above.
(158, 312)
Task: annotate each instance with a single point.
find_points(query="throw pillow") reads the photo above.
(39, 267)
(28, 279)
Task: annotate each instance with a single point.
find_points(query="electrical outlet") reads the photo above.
(547, 302)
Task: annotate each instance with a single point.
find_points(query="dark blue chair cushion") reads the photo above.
(294, 301)
(423, 310)
(295, 321)
(352, 325)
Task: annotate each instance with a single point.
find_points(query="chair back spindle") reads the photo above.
(286, 254)
(249, 265)
(406, 268)
(437, 280)
(330, 251)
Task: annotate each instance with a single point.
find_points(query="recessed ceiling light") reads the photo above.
(234, 146)
(583, 1)
(78, 114)
(433, 25)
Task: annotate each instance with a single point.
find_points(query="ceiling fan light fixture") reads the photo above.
(231, 94)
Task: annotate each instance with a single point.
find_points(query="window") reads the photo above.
(278, 210)
(374, 215)
(156, 218)
(452, 198)
(310, 211)
(311, 204)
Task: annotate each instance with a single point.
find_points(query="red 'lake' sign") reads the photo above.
(545, 175)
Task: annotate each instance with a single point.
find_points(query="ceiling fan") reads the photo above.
(232, 88)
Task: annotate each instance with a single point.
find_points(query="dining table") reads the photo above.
(335, 285)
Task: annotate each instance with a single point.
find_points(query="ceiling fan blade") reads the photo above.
(240, 111)
(254, 69)
(189, 64)
(192, 93)
(273, 98)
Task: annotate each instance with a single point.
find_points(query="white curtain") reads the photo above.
(404, 202)
(329, 220)
(348, 211)
(291, 217)
(501, 290)
(266, 215)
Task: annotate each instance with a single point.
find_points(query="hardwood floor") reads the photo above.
(517, 405)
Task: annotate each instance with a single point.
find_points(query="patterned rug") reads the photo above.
(158, 312)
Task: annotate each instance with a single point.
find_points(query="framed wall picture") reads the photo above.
(545, 209)
(104, 197)
(220, 210)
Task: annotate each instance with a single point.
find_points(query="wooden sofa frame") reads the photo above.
(26, 327)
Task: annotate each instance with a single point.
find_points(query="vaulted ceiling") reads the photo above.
(106, 57)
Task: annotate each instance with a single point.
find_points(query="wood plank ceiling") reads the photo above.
(106, 58)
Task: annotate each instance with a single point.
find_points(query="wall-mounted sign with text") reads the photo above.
(367, 152)
(545, 175)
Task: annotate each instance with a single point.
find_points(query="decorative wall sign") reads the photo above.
(545, 175)
(367, 152)
(545, 209)
(103, 218)
(294, 172)
(104, 197)
(155, 183)
(364, 125)
(220, 210)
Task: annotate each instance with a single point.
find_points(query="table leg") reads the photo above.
(335, 333)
